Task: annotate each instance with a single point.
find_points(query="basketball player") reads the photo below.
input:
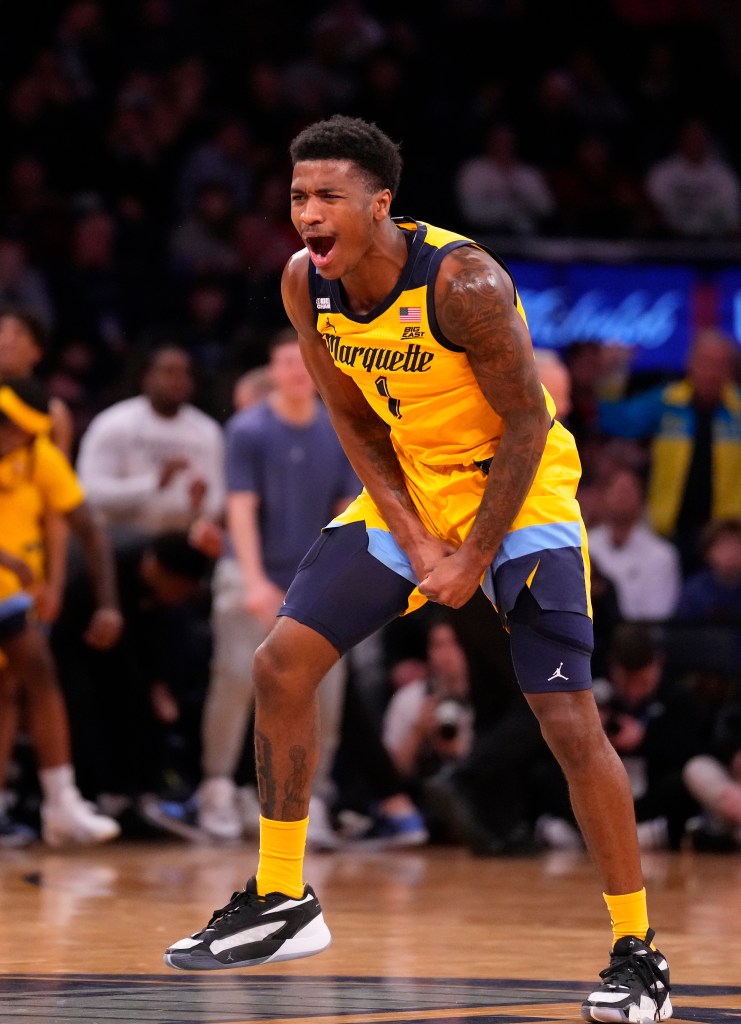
(418, 343)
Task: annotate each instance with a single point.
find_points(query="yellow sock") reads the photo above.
(628, 914)
(281, 864)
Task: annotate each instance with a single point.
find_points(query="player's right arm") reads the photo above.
(363, 435)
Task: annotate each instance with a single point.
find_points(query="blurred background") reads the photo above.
(144, 169)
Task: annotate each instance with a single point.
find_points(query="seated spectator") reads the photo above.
(139, 739)
(224, 159)
(498, 192)
(92, 300)
(696, 192)
(429, 722)
(21, 284)
(644, 568)
(595, 198)
(203, 243)
(694, 428)
(31, 207)
(486, 793)
(36, 477)
(713, 593)
(599, 371)
(714, 779)
(656, 726)
(154, 462)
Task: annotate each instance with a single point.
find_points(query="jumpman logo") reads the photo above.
(558, 674)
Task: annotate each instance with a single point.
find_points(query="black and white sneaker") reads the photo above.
(252, 930)
(635, 986)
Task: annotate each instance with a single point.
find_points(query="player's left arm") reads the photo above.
(476, 309)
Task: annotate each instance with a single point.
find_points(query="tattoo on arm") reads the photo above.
(477, 311)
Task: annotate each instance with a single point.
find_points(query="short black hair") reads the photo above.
(33, 324)
(351, 138)
(151, 355)
(633, 646)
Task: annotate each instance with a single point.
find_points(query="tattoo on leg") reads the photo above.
(265, 774)
(294, 805)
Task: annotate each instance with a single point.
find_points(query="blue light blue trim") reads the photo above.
(17, 603)
(538, 538)
(487, 585)
(383, 547)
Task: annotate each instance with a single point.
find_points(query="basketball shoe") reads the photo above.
(253, 930)
(635, 985)
(69, 820)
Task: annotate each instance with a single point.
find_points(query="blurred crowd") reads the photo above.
(144, 167)
(143, 229)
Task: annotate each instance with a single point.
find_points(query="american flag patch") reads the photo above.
(410, 315)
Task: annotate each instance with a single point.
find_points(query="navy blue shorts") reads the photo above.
(345, 594)
(14, 615)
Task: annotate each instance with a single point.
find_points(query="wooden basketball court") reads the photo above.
(431, 935)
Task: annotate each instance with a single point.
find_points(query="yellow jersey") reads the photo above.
(411, 375)
(444, 430)
(32, 479)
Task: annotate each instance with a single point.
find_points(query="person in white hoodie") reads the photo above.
(155, 461)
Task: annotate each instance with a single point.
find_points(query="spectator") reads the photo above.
(644, 568)
(489, 797)
(154, 461)
(21, 284)
(595, 197)
(656, 726)
(497, 191)
(696, 193)
(555, 378)
(34, 211)
(373, 805)
(714, 779)
(93, 304)
(37, 477)
(597, 104)
(225, 159)
(204, 242)
(694, 428)
(251, 387)
(429, 722)
(712, 595)
(552, 128)
(286, 476)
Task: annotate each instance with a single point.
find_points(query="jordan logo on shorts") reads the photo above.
(558, 674)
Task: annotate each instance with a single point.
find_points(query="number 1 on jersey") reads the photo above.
(394, 403)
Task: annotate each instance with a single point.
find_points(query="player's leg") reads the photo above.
(340, 595)
(65, 817)
(551, 653)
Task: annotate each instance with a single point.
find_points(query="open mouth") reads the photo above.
(320, 246)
